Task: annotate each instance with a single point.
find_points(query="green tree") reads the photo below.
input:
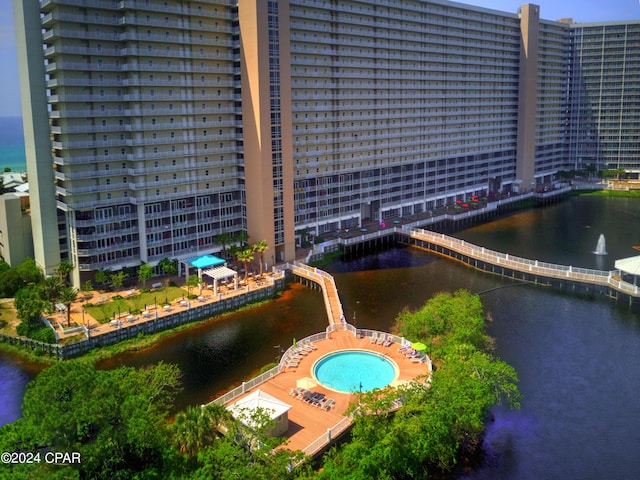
(439, 418)
(87, 286)
(52, 288)
(144, 273)
(197, 427)
(223, 239)
(169, 267)
(102, 277)
(247, 452)
(63, 270)
(29, 304)
(193, 281)
(260, 248)
(29, 271)
(245, 256)
(67, 297)
(118, 278)
(242, 237)
(115, 419)
(10, 282)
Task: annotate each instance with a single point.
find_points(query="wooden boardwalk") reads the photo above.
(327, 284)
(308, 425)
(530, 270)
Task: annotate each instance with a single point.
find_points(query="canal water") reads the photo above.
(577, 356)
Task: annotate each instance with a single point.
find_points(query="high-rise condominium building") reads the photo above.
(605, 96)
(173, 121)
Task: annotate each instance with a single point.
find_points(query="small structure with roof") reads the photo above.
(629, 269)
(213, 267)
(277, 410)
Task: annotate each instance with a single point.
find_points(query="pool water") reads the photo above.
(350, 370)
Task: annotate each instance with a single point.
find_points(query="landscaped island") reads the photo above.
(118, 420)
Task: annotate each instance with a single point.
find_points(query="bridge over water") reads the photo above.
(609, 283)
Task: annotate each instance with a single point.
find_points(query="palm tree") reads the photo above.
(68, 296)
(246, 256)
(223, 239)
(259, 248)
(242, 237)
(63, 270)
(52, 288)
(197, 427)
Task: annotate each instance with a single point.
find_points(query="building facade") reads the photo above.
(605, 96)
(172, 122)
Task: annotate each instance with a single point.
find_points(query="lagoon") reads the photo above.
(576, 355)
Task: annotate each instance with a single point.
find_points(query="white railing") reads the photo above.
(246, 386)
(321, 278)
(512, 261)
(326, 438)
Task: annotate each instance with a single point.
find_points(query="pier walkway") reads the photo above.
(517, 267)
(326, 283)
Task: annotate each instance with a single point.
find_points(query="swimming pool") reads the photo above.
(348, 370)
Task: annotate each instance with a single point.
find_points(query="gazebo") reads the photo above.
(276, 409)
(213, 267)
(629, 267)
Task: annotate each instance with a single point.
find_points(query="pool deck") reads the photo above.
(308, 423)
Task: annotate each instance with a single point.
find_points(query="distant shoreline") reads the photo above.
(12, 152)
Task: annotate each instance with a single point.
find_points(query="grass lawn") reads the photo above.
(105, 312)
(9, 315)
(613, 193)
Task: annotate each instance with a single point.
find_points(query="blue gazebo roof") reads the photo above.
(205, 261)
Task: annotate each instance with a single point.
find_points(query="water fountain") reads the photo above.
(601, 246)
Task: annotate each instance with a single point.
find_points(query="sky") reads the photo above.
(579, 10)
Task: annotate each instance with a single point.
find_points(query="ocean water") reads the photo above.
(12, 144)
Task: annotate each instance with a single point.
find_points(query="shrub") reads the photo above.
(44, 334)
(23, 329)
(10, 283)
(116, 297)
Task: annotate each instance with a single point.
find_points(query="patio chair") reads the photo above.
(329, 404)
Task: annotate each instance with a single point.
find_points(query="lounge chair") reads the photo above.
(329, 404)
(374, 338)
(388, 342)
(405, 347)
(380, 340)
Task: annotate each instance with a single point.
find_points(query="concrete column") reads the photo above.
(35, 119)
